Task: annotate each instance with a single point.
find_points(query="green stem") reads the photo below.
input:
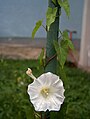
(45, 115)
(52, 35)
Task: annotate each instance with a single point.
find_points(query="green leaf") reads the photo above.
(65, 35)
(57, 48)
(69, 42)
(63, 48)
(50, 16)
(37, 26)
(63, 56)
(61, 53)
(65, 5)
(41, 57)
(54, 1)
(60, 3)
(37, 115)
(64, 44)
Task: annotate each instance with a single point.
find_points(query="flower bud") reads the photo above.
(29, 73)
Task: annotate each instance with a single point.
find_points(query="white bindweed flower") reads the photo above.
(46, 92)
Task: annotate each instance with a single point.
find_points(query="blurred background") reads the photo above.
(18, 18)
(18, 51)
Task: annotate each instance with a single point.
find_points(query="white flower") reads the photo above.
(46, 92)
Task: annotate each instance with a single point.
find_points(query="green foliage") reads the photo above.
(38, 25)
(54, 1)
(66, 39)
(61, 53)
(65, 5)
(50, 16)
(62, 48)
(41, 57)
(14, 100)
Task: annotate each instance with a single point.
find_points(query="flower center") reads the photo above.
(45, 92)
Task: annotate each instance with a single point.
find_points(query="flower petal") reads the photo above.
(53, 105)
(48, 83)
(41, 105)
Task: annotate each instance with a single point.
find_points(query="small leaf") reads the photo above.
(54, 1)
(65, 5)
(37, 115)
(69, 42)
(61, 53)
(37, 26)
(50, 16)
(41, 57)
(65, 35)
(63, 56)
(56, 45)
(60, 3)
(64, 44)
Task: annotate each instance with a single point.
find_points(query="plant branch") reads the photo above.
(44, 27)
(49, 59)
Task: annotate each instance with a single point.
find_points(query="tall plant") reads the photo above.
(58, 42)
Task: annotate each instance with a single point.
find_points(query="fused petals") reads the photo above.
(47, 92)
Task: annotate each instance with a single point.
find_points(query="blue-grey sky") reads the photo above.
(18, 17)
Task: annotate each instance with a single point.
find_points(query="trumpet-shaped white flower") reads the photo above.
(46, 92)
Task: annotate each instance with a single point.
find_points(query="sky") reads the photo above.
(18, 17)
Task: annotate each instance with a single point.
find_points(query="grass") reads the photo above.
(14, 101)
